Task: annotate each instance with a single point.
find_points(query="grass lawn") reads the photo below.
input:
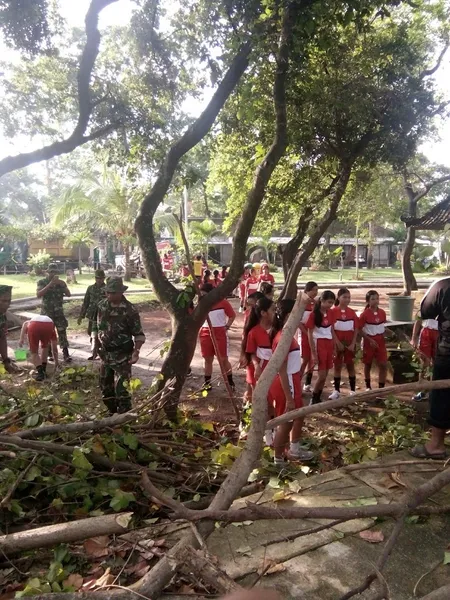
(348, 275)
(24, 285)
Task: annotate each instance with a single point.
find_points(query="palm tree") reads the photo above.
(202, 232)
(78, 239)
(101, 203)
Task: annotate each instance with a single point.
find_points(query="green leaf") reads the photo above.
(33, 473)
(446, 558)
(60, 553)
(80, 461)
(32, 420)
(131, 440)
(196, 498)
(121, 500)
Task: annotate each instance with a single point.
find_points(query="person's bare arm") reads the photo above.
(416, 332)
(54, 345)
(67, 292)
(312, 345)
(23, 334)
(44, 290)
(337, 343)
(353, 342)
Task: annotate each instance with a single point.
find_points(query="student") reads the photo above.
(245, 275)
(244, 363)
(257, 346)
(223, 273)
(372, 324)
(216, 279)
(198, 268)
(221, 316)
(286, 392)
(251, 284)
(322, 340)
(311, 290)
(265, 275)
(267, 289)
(207, 277)
(424, 339)
(346, 329)
(40, 329)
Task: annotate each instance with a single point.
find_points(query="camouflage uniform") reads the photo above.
(52, 306)
(94, 295)
(115, 327)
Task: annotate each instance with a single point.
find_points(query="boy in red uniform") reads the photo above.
(346, 328)
(40, 329)
(372, 323)
(322, 340)
(265, 275)
(221, 316)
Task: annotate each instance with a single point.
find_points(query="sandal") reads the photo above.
(422, 452)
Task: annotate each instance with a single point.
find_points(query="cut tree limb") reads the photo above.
(64, 533)
(201, 566)
(85, 103)
(83, 427)
(442, 593)
(360, 397)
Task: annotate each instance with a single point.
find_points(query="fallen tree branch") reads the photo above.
(200, 564)
(442, 593)
(77, 428)
(64, 533)
(17, 482)
(360, 397)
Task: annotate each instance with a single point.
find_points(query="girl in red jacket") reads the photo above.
(286, 392)
(322, 339)
(346, 328)
(372, 322)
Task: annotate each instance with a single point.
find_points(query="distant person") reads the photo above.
(40, 330)
(251, 284)
(206, 277)
(119, 337)
(216, 278)
(5, 302)
(223, 273)
(52, 290)
(307, 366)
(95, 293)
(436, 305)
(267, 289)
(198, 268)
(245, 275)
(265, 274)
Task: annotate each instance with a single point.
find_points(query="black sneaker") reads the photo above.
(420, 397)
(90, 358)
(189, 373)
(40, 376)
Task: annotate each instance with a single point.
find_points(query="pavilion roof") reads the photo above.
(435, 219)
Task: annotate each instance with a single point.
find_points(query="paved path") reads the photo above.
(327, 564)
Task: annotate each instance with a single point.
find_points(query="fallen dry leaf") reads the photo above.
(75, 580)
(388, 483)
(139, 569)
(397, 478)
(186, 589)
(374, 537)
(279, 568)
(269, 567)
(97, 546)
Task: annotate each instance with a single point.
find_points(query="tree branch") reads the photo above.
(85, 106)
(428, 186)
(432, 71)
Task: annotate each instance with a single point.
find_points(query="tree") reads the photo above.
(202, 232)
(102, 202)
(78, 239)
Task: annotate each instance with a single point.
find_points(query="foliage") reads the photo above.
(422, 259)
(202, 232)
(39, 262)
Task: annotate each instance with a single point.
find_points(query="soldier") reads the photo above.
(115, 325)
(5, 301)
(52, 291)
(94, 294)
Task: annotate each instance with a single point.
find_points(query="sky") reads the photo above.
(437, 150)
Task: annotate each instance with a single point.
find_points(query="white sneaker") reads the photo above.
(241, 310)
(368, 390)
(268, 437)
(307, 388)
(334, 395)
(300, 454)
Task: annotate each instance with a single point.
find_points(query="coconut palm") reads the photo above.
(202, 232)
(104, 203)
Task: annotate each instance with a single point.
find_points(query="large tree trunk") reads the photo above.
(409, 280)
(301, 258)
(370, 261)
(80, 262)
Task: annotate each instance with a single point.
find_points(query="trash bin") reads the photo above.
(401, 308)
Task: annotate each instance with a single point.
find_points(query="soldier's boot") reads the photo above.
(111, 404)
(11, 366)
(66, 357)
(40, 375)
(123, 404)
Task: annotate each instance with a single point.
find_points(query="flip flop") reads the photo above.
(422, 452)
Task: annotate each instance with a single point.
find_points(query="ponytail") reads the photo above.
(318, 316)
(369, 294)
(283, 309)
(340, 293)
(262, 305)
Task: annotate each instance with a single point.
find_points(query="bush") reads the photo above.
(39, 262)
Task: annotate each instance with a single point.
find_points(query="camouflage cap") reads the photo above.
(52, 267)
(5, 289)
(100, 273)
(115, 284)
